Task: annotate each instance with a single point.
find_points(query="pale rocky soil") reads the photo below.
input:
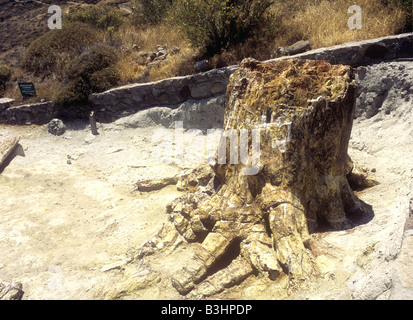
(67, 231)
(61, 223)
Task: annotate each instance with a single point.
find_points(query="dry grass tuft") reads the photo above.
(129, 70)
(324, 22)
(177, 65)
(146, 40)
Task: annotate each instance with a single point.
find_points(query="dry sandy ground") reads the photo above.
(61, 223)
(69, 221)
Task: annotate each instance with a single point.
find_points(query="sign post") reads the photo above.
(27, 89)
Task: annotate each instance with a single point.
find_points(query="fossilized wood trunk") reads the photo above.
(8, 143)
(303, 112)
(11, 291)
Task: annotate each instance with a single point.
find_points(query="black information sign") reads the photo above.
(27, 89)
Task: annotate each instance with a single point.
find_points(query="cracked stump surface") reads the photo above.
(255, 216)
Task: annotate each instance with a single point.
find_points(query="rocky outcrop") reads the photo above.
(383, 87)
(202, 66)
(296, 48)
(156, 58)
(364, 52)
(303, 112)
(200, 114)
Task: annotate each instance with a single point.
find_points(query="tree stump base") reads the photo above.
(260, 222)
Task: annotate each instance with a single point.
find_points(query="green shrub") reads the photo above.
(90, 61)
(215, 25)
(75, 92)
(153, 11)
(102, 80)
(101, 17)
(92, 71)
(5, 75)
(43, 53)
(406, 5)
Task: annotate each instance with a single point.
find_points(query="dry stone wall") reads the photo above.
(5, 103)
(172, 93)
(169, 92)
(37, 113)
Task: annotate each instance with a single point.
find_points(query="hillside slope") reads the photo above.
(23, 21)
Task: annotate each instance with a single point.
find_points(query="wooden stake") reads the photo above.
(93, 123)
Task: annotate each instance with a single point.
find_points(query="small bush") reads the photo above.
(153, 11)
(5, 75)
(407, 6)
(215, 25)
(90, 61)
(101, 17)
(102, 80)
(43, 53)
(73, 93)
(92, 71)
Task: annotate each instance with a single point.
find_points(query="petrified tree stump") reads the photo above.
(304, 111)
(11, 291)
(8, 142)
